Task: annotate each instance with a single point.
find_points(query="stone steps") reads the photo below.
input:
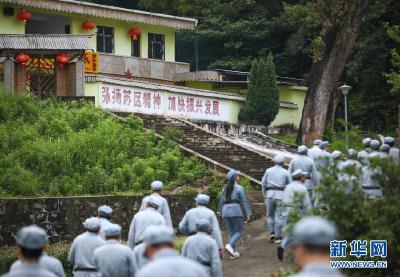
(213, 146)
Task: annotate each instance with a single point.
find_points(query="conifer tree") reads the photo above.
(262, 100)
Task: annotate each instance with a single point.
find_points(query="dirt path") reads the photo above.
(258, 255)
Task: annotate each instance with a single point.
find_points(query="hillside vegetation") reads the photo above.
(53, 148)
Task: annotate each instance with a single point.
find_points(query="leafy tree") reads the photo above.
(262, 101)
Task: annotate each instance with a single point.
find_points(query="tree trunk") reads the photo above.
(338, 37)
(334, 101)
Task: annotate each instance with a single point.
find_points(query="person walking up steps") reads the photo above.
(273, 184)
(234, 207)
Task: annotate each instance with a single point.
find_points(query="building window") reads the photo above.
(156, 46)
(105, 39)
(136, 48)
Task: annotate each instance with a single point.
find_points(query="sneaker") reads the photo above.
(230, 250)
(280, 253)
(278, 240)
(271, 237)
(237, 254)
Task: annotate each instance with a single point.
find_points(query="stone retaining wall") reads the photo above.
(62, 217)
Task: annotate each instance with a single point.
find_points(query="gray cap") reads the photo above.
(279, 159)
(389, 141)
(352, 154)
(315, 231)
(385, 148)
(92, 224)
(202, 199)
(317, 142)
(366, 142)
(302, 149)
(105, 210)
(156, 185)
(336, 154)
(231, 174)
(112, 230)
(159, 234)
(298, 173)
(375, 144)
(154, 201)
(202, 224)
(32, 237)
(324, 144)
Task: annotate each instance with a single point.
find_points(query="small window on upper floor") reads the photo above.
(156, 46)
(105, 39)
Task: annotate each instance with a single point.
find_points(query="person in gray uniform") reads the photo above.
(104, 213)
(306, 165)
(273, 184)
(144, 219)
(203, 249)
(363, 154)
(369, 182)
(350, 169)
(311, 241)
(113, 258)
(375, 145)
(166, 261)
(314, 151)
(30, 244)
(295, 199)
(234, 206)
(324, 159)
(47, 262)
(384, 151)
(140, 255)
(80, 255)
(394, 151)
(187, 225)
(163, 208)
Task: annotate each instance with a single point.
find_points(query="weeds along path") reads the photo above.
(258, 255)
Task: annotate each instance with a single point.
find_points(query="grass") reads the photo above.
(289, 139)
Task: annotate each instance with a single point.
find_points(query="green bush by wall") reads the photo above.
(48, 147)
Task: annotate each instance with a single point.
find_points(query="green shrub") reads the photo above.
(48, 147)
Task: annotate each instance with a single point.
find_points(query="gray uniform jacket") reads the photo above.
(395, 154)
(318, 270)
(81, 252)
(114, 259)
(301, 203)
(140, 222)
(204, 250)
(104, 223)
(369, 184)
(274, 182)
(239, 204)
(168, 263)
(306, 164)
(139, 256)
(188, 223)
(47, 262)
(363, 154)
(313, 152)
(323, 160)
(349, 170)
(29, 270)
(163, 209)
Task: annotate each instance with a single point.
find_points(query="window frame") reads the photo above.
(152, 42)
(104, 36)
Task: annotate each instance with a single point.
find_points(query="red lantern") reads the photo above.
(134, 32)
(62, 60)
(24, 16)
(88, 25)
(22, 59)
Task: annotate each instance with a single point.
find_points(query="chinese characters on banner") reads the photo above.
(197, 107)
(91, 62)
(138, 100)
(131, 100)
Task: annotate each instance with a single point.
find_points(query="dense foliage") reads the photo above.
(262, 100)
(55, 148)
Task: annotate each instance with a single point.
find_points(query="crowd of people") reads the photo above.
(150, 249)
(292, 190)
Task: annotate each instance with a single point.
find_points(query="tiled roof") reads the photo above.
(47, 42)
